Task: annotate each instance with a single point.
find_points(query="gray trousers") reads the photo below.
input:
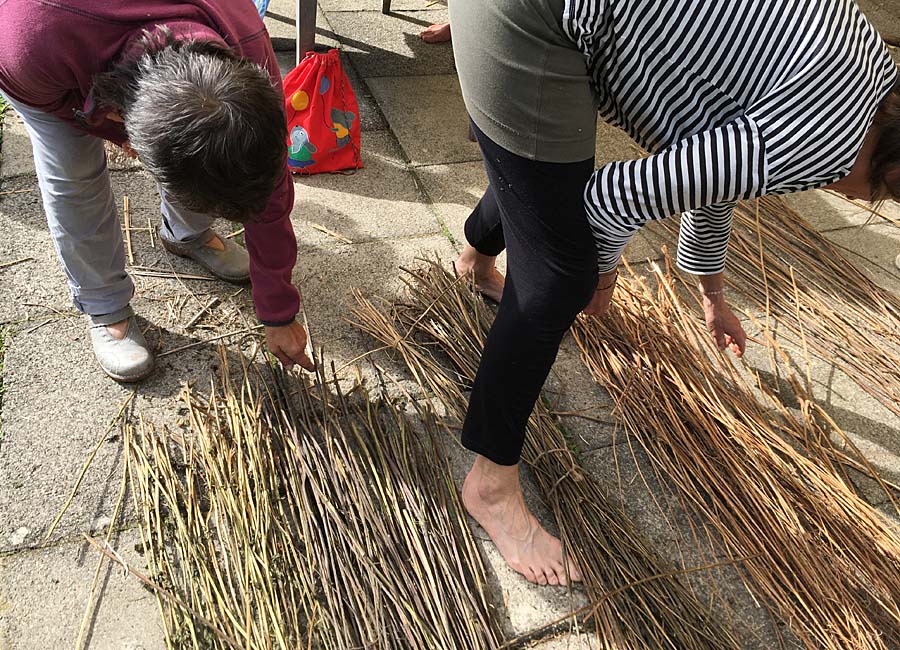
(81, 212)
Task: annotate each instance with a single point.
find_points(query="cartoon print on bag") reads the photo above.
(301, 150)
(324, 85)
(342, 123)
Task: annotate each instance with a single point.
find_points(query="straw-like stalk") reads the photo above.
(633, 611)
(288, 516)
(815, 295)
(824, 561)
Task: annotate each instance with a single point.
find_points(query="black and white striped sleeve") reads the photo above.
(703, 174)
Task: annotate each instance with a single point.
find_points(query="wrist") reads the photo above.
(607, 280)
(269, 323)
(713, 297)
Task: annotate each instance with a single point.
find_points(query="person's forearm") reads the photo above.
(713, 287)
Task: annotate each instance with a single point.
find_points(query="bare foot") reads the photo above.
(215, 243)
(436, 33)
(118, 330)
(493, 496)
(488, 280)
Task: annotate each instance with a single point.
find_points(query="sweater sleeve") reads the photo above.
(273, 252)
(270, 239)
(702, 176)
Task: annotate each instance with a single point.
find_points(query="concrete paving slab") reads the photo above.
(827, 211)
(380, 201)
(44, 594)
(57, 405)
(49, 426)
(522, 605)
(614, 144)
(885, 15)
(37, 286)
(375, 5)
(58, 402)
(389, 45)
(873, 248)
(583, 406)
(15, 157)
(428, 116)
(280, 22)
(573, 641)
(328, 274)
(634, 486)
(870, 426)
(455, 190)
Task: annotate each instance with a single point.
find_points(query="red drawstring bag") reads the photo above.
(322, 116)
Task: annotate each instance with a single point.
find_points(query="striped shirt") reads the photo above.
(735, 98)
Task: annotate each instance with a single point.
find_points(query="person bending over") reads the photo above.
(193, 89)
(734, 100)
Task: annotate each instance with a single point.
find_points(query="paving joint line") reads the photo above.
(404, 157)
(68, 539)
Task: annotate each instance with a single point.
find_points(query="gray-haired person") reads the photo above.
(735, 99)
(193, 89)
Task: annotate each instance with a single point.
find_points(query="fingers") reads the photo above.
(740, 341)
(288, 344)
(293, 355)
(736, 340)
(305, 362)
(719, 335)
(283, 358)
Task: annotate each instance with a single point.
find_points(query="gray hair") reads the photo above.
(207, 124)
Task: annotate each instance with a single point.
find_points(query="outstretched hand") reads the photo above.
(724, 326)
(288, 344)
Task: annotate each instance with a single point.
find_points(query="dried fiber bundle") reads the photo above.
(815, 295)
(637, 602)
(290, 516)
(823, 560)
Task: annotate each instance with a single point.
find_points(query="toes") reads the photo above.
(574, 573)
(539, 576)
(559, 572)
(530, 575)
(552, 577)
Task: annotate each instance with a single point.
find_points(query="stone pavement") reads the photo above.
(421, 179)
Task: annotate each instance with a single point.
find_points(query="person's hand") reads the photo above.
(288, 344)
(599, 304)
(724, 326)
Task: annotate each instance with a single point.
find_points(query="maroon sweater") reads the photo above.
(50, 51)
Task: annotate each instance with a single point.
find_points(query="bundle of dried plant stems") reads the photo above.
(290, 515)
(824, 561)
(637, 601)
(815, 295)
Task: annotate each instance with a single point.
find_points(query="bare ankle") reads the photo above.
(471, 260)
(492, 483)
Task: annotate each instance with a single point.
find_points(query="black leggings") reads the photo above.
(535, 210)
